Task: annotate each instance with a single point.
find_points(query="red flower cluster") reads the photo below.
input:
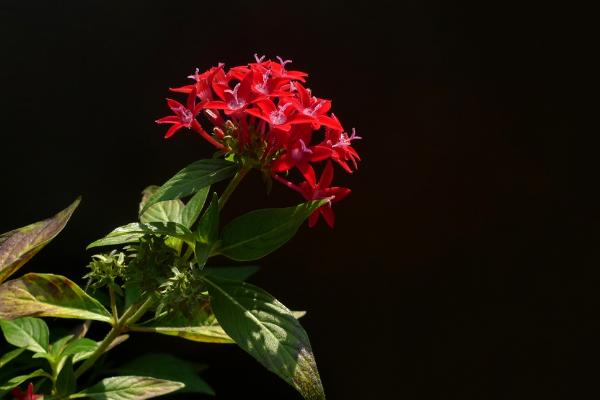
(263, 116)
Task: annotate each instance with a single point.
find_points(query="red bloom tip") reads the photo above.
(267, 115)
(27, 395)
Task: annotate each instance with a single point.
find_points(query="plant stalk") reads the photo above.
(113, 304)
(233, 184)
(133, 314)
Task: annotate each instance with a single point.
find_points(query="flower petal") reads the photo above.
(326, 176)
(172, 130)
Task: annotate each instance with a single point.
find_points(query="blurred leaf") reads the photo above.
(129, 388)
(146, 194)
(166, 366)
(30, 333)
(17, 380)
(268, 331)
(260, 232)
(192, 178)
(48, 295)
(11, 355)
(20, 245)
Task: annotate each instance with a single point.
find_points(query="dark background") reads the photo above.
(461, 265)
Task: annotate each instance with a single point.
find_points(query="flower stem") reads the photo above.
(196, 126)
(133, 314)
(112, 335)
(233, 184)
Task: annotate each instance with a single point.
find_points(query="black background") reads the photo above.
(459, 267)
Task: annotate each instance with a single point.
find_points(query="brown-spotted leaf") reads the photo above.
(20, 245)
(48, 295)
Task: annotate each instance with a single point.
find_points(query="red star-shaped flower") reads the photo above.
(185, 116)
(320, 190)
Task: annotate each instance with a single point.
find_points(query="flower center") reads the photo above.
(235, 103)
(262, 87)
(311, 111)
(185, 116)
(300, 152)
(278, 116)
(346, 140)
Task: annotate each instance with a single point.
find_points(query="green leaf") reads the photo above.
(202, 333)
(20, 245)
(268, 331)
(134, 231)
(129, 388)
(208, 227)
(66, 381)
(260, 232)
(17, 380)
(133, 293)
(199, 327)
(80, 348)
(30, 333)
(115, 238)
(165, 211)
(48, 295)
(55, 350)
(166, 366)
(192, 209)
(192, 178)
(207, 232)
(59, 345)
(237, 273)
(11, 355)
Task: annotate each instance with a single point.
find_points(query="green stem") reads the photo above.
(132, 315)
(112, 335)
(136, 328)
(188, 253)
(113, 304)
(139, 313)
(233, 184)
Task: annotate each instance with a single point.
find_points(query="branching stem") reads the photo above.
(130, 316)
